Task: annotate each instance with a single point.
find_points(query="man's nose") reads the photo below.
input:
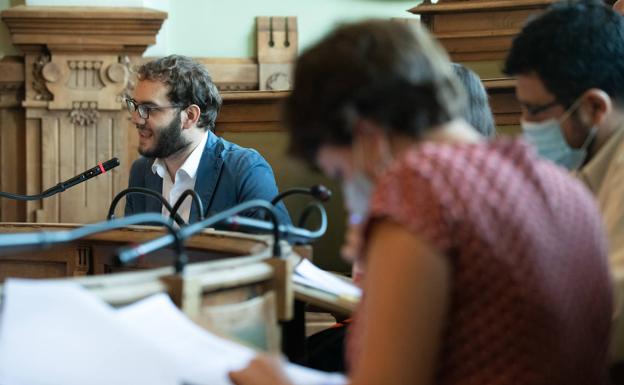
(136, 118)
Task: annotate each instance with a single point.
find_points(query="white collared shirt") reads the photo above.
(185, 179)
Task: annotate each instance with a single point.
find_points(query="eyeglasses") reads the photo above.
(534, 110)
(144, 109)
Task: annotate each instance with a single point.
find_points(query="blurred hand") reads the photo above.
(353, 243)
(262, 370)
(619, 7)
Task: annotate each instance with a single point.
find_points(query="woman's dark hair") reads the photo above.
(392, 73)
(574, 46)
(189, 83)
(477, 111)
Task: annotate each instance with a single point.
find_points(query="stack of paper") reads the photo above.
(57, 333)
(309, 275)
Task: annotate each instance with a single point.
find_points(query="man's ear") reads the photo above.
(596, 107)
(190, 116)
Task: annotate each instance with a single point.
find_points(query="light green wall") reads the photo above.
(227, 28)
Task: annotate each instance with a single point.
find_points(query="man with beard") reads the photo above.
(174, 107)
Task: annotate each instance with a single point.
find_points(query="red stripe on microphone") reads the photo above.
(101, 167)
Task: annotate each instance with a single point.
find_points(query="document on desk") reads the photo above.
(306, 273)
(57, 333)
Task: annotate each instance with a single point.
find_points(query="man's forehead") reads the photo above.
(531, 89)
(151, 91)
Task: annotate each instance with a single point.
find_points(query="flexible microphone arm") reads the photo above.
(318, 191)
(308, 210)
(143, 191)
(129, 254)
(292, 234)
(44, 239)
(198, 203)
(101, 168)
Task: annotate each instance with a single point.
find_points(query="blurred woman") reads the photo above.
(484, 264)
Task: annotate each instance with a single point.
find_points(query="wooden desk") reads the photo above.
(232, 287)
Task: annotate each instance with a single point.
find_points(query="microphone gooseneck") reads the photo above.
(149, 193)
(129, 254)
(101, 168)
(196, 199)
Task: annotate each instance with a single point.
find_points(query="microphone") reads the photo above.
(101, 168)
(318, 191)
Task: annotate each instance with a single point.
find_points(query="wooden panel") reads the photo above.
(503, 102)
(59, 262)
(477, 30)
(251, 111)
(12, 136)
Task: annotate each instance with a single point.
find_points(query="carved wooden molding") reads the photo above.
(100, 29)
(228, 74)
(477, 30)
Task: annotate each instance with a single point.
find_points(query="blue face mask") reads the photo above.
(550, 143)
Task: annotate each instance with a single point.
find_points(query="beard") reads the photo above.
(168, 142)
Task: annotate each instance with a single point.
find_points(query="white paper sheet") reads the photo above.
(308, 274)
(58, 333)
(202, 357)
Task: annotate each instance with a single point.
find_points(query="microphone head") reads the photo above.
(321, 192)
(111, 163)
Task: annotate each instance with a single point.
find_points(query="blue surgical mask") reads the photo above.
(550, 143)
(357, 193)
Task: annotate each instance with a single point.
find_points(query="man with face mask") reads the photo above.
(174, 107)
(570, 83)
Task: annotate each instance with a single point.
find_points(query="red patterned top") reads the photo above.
(531, 294)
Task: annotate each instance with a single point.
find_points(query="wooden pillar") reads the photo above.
(77, 67)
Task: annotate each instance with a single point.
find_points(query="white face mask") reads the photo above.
(357, 194)
(550, 143)
(358, 190)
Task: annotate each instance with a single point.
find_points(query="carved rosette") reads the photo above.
(39, 81)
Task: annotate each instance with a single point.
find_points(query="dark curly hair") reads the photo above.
(389, 72)
(574, 46)
(189, 83)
